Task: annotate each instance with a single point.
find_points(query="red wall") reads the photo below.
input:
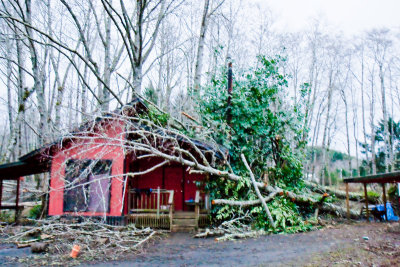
(172, 177)
(97, 147)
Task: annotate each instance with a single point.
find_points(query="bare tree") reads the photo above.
(379, 43)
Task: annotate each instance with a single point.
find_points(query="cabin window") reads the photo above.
(87, 185)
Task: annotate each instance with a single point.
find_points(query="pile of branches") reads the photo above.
(97, 241)
(233, 229)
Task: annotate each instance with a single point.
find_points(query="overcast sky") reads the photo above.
(349, 16)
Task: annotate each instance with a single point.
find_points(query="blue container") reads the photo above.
(390, 213)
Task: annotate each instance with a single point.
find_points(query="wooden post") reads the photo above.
(158, 202)
(1, 190)
(129, 201)
(384, 199)
(171, 207)
(366, 200)
(17, 200)
(207, 202)
(347, 201)
(197, 208)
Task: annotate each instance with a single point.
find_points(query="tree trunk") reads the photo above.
(37, 76)
(200, 49)
(105, 106)
(372, 126)
(326, 128)
(9, 88)
(363, 108)
(346, 110)
(137, 80)
(385, 118)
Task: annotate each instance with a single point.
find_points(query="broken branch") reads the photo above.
(253, 180)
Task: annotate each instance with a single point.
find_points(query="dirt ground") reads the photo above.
(356, 244)
(334, 245)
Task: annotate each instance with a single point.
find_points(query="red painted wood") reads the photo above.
(152, 179)
(173, 181)
(126, 170)
(175, 178)
(97, 147)
(190, 186)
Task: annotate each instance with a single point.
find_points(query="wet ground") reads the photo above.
(360, 244)
(182, 250)
(341, 245)
(10, 251)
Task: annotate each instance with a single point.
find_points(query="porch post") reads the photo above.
(17, 200)
(347, 201)
(1, 190)
(366, 200)
(384, 199)
(197, 208)
(158, 202)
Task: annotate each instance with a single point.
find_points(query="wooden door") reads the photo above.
(173, 180)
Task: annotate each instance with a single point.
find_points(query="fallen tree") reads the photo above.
(302, 199)
(340, 193)
(232, 229)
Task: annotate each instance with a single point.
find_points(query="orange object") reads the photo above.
(325, 195)
(281, 193)
(213, 202)
(75, 251)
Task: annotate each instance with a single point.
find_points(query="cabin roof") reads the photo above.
(390, 177)
(20, 168)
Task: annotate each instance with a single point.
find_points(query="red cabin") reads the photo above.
(108, 169)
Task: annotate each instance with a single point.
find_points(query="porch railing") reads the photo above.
(155, 208)
(202, 208)
(151, 207)
(147, 200)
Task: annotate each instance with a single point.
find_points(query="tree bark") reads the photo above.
(372, 125)
(325, 137)
(253, 180)
(200, 48)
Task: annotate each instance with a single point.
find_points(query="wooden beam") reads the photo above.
(390, 177)
(347, 201)
(384, 199)
(9, 178)
(11, 207)
(366, 200)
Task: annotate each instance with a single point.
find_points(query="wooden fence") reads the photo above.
(152, 208)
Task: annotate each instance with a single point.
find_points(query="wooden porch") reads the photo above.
(155, 208)
(382, 178)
